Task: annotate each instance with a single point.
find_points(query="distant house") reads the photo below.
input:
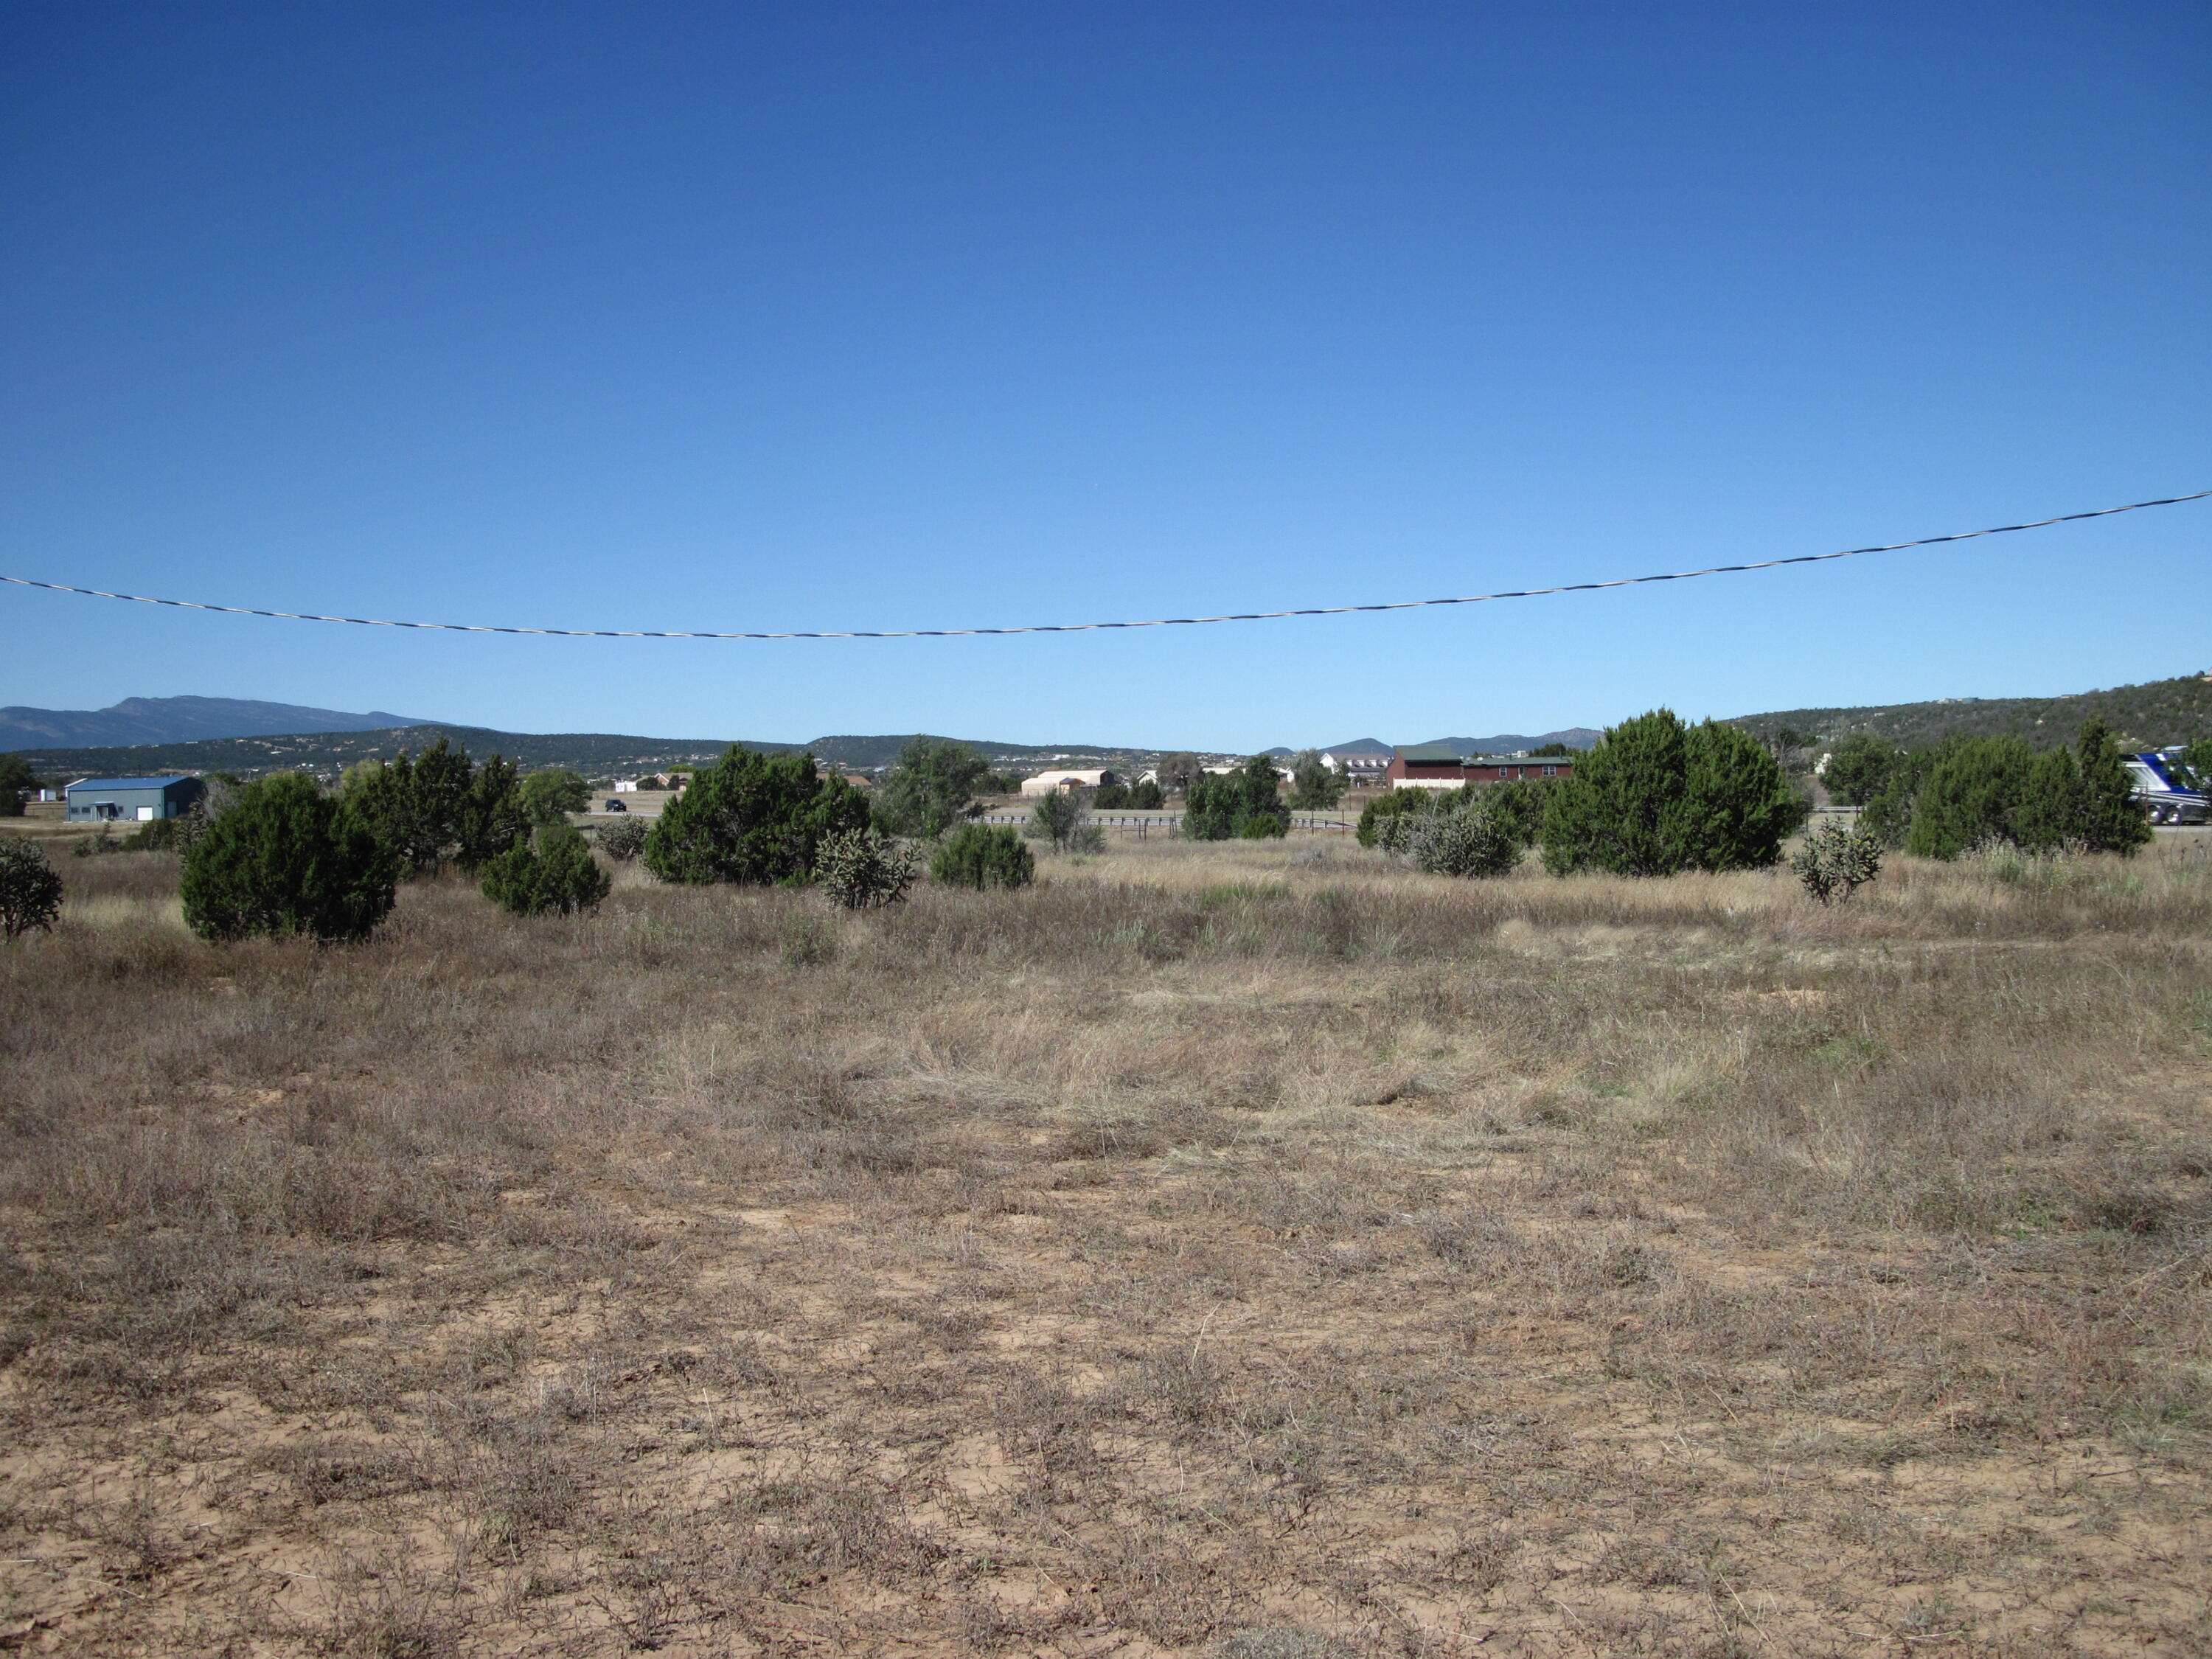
(1358, 766)
(1046, 783)
(625, 785)
(131, 800)
(1436, 766)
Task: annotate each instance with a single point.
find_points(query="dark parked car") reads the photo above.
(614, 806)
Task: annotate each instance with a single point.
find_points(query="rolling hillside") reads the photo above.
(2154, 714)
(327, 753)
(595, 754)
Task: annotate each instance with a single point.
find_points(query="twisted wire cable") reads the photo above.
(1094, 627)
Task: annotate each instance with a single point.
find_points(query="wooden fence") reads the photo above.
(1167, 823)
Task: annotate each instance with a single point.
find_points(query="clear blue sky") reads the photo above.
(922, 315)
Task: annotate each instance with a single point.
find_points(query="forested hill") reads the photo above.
(327, 753)
(2155, 715)
(595, 754)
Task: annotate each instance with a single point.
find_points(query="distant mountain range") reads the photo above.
(178, 719)
(141, 735)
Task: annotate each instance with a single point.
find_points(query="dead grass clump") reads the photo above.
(393, 1615)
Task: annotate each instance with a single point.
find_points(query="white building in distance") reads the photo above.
(1046, 783)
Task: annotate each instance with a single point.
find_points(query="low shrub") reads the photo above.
(1378, 819)
(558, 875)
(1065, 821)
(175, 834)
(980, 856)
(622, 839)
(1467, 839)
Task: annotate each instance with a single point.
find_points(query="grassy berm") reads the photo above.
(1243, 1250)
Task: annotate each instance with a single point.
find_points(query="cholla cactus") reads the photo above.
(1836, 859)
(861, 869)
(30, 892)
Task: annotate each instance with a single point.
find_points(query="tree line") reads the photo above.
(1655, 796)
(1965, 793)
(282, 856)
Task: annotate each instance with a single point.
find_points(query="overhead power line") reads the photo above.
(1088, 628)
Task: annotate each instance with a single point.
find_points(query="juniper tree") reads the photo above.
(1857, 768)
(493, 815)
(285, 859)
(1210, 807)
(1315, 787)
(1622, 811)
(438, 807)
(553, 792)
(2110, 820)
(1968, 800)
(1062, 818)
(1260, 812)
(2048, 816)
(982, 855)
(556, 874)
(1655, 796)
(752, 818)
(932, 787)
(1737, 806)
(16, 779)
(1179, 771)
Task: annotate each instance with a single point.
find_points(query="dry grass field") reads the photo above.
(1250, 1251)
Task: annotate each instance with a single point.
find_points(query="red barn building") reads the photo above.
(1434, 766)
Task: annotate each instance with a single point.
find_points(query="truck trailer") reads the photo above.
(2164, 788)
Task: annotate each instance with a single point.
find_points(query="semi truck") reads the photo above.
(2165, 789)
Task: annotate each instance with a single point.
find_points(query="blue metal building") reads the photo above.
(131, 800)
